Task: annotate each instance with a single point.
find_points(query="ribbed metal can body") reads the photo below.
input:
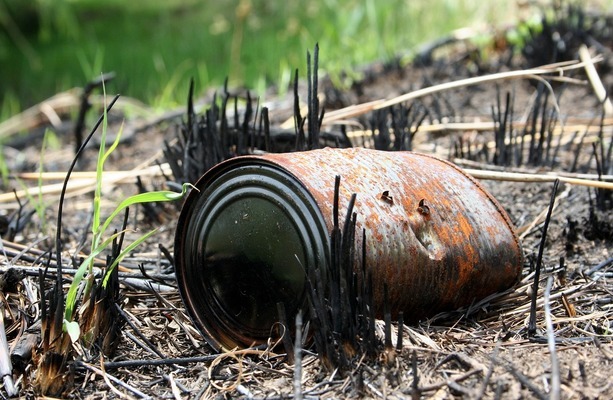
(247, 236)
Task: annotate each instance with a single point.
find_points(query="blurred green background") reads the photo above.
(156, 46)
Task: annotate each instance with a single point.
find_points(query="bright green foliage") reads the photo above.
(522, 32)
(156, 46)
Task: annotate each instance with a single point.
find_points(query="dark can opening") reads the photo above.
(244, 241)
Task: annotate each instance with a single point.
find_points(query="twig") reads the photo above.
(151, 346)
(6, 368)
(33, 271)
(439, 385)
(298, 358)
(138, 342)
(244, 391)
(525, 230)
(105, 376)
(456, 387)
(174, 387)
(488, 374)
(330, 383)
(360, 109)
(462, 359)
(555, 365)
(600, 266)
(522, 309)
(572, 124)
(147, 285)
(239, 376)
(153, 170)
(375, 390)
(58, 104)
(524, 381)
(289, 347)
(158, 362)
(600, 347)
(112, 378)
(467, 164)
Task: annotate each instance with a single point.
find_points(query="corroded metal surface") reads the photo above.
(433, 234)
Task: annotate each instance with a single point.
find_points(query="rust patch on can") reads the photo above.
(445, 243)
(434, 236)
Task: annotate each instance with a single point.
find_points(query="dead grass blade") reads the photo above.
(108, 378)
(555, 364)
(553, 69)
(592, 75)
(49, 111)
(85, 183)
(527, 177)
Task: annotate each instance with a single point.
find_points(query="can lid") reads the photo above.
(244, 242)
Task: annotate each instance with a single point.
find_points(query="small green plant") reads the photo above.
(99, 230)
(97, 320)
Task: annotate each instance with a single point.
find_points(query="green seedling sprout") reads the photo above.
(99, 243)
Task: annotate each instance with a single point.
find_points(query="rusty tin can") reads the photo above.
(255, 224)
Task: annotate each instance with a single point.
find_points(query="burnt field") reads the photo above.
(532, 125)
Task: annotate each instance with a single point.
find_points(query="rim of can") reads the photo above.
(241, 179)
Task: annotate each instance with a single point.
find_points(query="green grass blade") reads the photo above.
(71, 297)
(123, 253)
(149, 197)
(99, 171)
(114, 145)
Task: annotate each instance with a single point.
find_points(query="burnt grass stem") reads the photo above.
(86, 105)
(313, 99)
(415, 392)
(315, 116)
(602, 156)
(539, 259)
(298, 120)
(340, 298)
(285, 335)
